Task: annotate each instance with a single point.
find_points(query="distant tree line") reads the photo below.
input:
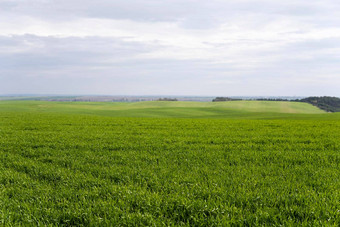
(223, 99)
(329, 104)
(167, 99)
(277, 100)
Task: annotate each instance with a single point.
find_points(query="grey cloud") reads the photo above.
(35, 52)
(98, 65)
(191, 14)
(110, 66)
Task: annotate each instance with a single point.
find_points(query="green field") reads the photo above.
(168, 163)
(234, 109)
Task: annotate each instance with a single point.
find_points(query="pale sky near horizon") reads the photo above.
(170, 47)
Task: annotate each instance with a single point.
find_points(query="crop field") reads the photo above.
(157, 109)
(168, 164)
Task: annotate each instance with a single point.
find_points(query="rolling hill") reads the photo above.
(233, 109)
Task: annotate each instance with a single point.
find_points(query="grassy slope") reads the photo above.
(61, 166)
(235, 109)
(80, 170)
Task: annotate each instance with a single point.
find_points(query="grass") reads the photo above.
(234, 109)
(63, 165)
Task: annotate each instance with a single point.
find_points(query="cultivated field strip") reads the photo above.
(59, 169)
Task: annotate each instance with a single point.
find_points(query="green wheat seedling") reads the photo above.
(63, 168)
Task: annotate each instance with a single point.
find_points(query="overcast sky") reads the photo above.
(170, 47)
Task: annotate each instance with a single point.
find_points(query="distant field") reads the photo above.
(162, 164)
(233, 109)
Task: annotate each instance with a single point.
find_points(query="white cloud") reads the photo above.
(248, 46)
